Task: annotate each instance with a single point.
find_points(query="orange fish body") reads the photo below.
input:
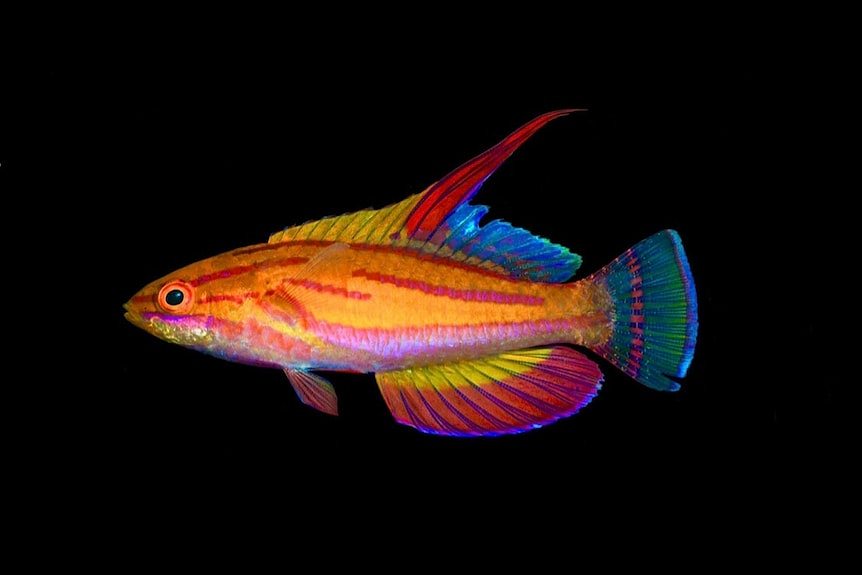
(462, 324)
(372, 309)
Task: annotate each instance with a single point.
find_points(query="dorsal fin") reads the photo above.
(440, 221)
(461, 184)
(365, 226)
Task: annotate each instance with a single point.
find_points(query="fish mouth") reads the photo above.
(132, 316)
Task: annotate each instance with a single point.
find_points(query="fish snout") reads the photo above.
(133, 315)
(138, 308)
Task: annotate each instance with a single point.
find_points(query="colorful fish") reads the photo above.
(465, 326)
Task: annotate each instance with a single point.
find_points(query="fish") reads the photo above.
(470, 328)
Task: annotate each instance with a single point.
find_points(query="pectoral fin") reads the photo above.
(313, 390)
(299, 290)
(506, 393)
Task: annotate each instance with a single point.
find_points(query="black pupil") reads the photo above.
(174, 297)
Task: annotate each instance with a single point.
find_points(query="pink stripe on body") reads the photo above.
(452, 293)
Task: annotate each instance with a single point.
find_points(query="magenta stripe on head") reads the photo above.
(235, 271)
(236, 298)
(183, 320)
(222, 274)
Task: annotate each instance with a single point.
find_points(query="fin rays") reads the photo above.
(507, 393)
(439, 221)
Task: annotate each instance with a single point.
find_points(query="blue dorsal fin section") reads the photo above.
(522, 254)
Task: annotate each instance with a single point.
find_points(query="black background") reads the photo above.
(155, 163)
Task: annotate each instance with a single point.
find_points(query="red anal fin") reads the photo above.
(510, 392)
(462, 183)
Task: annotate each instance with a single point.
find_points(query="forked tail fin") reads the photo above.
(655, 311)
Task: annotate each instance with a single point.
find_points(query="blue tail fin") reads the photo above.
(655, 311)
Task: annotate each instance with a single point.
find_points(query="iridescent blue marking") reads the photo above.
(523, 254)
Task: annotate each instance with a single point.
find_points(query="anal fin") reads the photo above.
(507, 393)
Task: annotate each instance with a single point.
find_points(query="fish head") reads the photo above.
(179, 307)
(219, 306)
(170, 309)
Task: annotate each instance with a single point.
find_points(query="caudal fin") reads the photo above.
(655, 311)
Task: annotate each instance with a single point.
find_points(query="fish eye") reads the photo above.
(175, 296)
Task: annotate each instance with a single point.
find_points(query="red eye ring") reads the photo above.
(176, 296)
